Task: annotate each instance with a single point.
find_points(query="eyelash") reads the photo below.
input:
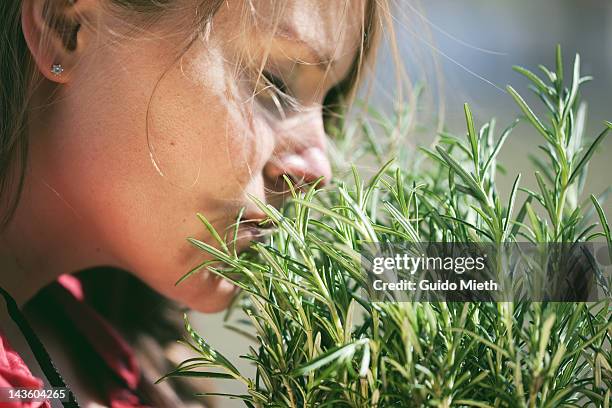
(276, 95)
(276, 82)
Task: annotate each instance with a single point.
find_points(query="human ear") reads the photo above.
(54, 33)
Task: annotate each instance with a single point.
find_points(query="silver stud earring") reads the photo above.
(57, 69)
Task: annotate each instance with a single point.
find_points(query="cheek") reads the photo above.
(153, 154)
(201, 130)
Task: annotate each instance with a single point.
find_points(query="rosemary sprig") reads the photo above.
(322, 344)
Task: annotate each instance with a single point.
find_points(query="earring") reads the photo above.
(57, 69)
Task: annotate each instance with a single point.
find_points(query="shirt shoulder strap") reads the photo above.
(40, 353)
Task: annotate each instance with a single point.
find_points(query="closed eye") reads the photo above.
(276, 82)
(275, 94)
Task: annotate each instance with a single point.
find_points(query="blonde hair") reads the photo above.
(19, 76)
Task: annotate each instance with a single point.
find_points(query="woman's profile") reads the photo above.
(119, 121)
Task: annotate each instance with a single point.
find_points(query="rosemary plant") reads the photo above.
(322, 343)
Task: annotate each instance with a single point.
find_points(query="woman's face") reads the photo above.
(142, 136)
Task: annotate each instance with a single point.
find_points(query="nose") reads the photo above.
(303, 167)
(299, 153)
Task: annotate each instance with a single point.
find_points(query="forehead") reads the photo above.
(326, 30)
(332, 27)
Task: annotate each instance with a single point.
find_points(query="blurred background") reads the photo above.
(464, 50)
(475, 43)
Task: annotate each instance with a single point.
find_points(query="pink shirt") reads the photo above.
(101, 336)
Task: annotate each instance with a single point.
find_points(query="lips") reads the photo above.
(253, 217)
(253, 226)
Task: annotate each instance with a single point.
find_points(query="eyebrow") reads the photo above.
(321, 60)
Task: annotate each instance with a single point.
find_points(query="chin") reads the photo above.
(215, 297)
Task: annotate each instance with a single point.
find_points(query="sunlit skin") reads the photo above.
(135, 138)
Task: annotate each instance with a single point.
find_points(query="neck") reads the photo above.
(46, 237)
(48, 234)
